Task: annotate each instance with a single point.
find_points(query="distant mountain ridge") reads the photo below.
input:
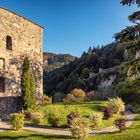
(52, 61)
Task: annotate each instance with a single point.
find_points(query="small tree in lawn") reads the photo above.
(27, 86)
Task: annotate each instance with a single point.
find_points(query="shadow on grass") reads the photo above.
(116, 132)
(36, 136)
(93, 107)
(64, 126)
(134, 128)
(137, 119)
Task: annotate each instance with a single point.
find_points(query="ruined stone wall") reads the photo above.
(26, 41)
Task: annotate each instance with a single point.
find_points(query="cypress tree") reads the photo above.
(27, 86)
(32, 90)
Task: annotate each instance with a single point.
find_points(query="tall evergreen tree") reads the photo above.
(83, 54)
(32, 90)
(27, 86)
(89, 49)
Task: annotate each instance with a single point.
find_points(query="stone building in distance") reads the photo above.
(19, 37)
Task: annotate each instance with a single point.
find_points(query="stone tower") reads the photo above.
(19, 37)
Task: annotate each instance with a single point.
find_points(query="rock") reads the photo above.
(107, 82)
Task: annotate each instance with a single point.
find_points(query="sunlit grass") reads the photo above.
(83, 109)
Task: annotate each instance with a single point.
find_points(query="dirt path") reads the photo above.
(54, 131)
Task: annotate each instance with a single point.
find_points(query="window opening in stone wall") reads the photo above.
(2, 84)
(9, 43)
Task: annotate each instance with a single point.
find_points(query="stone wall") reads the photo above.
(9, 105)
(26, 41)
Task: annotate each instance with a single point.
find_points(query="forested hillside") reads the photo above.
(107, 71)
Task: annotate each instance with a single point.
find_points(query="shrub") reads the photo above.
(71, 117)
(108, 112)
(17, 121)
(121, 124)
(95, 119)
(37, 118)
(54, 118)
(117, 105)
(76, 95)
(47, 99)
(80, 127)
(28, 114)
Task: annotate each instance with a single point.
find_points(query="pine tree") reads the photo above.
(89, 50)
(83, 54)
(27, 86)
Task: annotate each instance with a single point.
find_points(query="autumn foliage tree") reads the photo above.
(76, 95)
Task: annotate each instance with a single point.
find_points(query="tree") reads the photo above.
(129, 37)
(130, 2)
(135, 17)
(27, 86)
(89, 49)
(32, 89)
(76, 95)
(83, 54)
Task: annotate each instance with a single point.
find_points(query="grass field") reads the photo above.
(84, 109)
(131, 133)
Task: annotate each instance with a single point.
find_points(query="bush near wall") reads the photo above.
(17, 121)
(47, 99)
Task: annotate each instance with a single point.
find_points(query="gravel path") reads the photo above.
(54, 131)
(128, 115)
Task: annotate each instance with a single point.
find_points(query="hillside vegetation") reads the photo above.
(106, 71)
(100, 69)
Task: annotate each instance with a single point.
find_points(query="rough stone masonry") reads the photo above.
(19, 37)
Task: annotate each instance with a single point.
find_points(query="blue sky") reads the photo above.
(71, 26)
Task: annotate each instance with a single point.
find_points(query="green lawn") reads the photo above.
(84, 109)
(131, 133)
(27, 135)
